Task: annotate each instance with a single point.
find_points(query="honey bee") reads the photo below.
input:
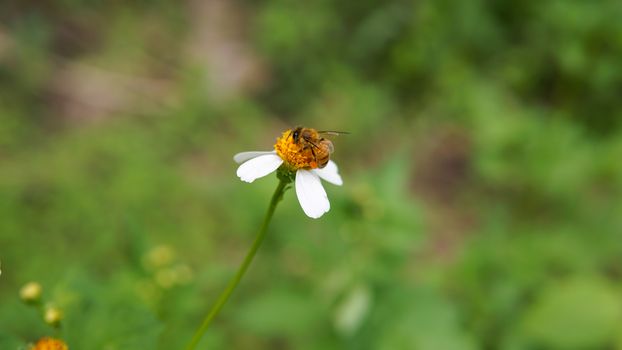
(311, 139)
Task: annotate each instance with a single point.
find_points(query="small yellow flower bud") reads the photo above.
(50, 344)
(52, 316)
(176, 275)
(158, 257)
(31, 292)
(183, 274)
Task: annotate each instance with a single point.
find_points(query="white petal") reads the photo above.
(259, 167)
(244, 156)
(311, 194)
(330, 173)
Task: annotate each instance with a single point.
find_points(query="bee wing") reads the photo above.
(331, 149)
(333, 132)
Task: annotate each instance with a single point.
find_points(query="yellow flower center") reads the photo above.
(50, 344)
(294, 155)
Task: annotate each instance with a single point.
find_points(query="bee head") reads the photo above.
(296, 134)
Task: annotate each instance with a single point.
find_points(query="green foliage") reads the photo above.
(482, 180)
(592, 309)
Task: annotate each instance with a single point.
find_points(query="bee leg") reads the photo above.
(312, 144)
(314, 156)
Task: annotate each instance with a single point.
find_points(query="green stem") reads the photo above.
(224, 296)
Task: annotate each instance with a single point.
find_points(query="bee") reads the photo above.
(311, 139)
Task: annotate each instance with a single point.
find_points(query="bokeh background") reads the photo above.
(483, 185)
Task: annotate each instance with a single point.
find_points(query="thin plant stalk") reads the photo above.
(233, 283)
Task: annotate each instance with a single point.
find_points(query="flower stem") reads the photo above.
(224, 296)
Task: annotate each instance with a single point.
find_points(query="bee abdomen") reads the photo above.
(322, 161)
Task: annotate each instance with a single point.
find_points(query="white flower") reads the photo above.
(309, 190)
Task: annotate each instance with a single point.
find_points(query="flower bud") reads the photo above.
(158, 257)
(31, 292)
(183, 274)
(52, 316)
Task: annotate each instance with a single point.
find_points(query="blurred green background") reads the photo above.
(482, 197)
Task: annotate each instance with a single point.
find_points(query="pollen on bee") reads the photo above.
(294, 155)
